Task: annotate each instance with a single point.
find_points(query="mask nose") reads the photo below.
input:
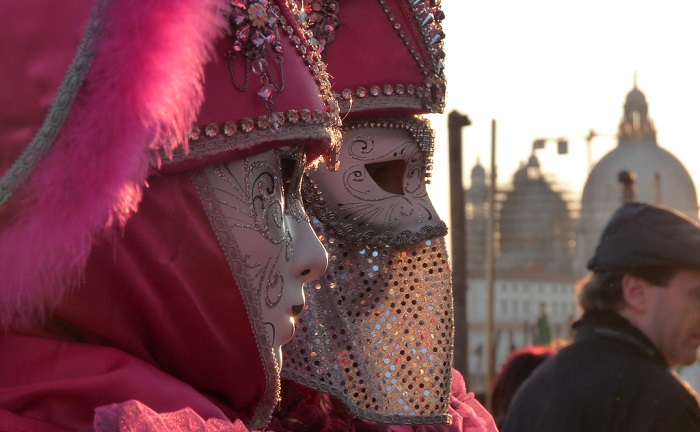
(310, 258)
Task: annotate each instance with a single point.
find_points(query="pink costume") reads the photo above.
(129, 299)
(377, 335)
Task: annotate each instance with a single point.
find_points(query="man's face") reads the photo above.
(675, 318)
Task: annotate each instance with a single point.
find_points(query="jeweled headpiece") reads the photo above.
(262, 91)
(78, 165)
(145, 72)
(399, 68)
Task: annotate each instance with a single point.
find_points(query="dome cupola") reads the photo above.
(660, 177)
(478, 175)
(636, 122)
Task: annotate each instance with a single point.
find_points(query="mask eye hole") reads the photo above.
(292, 164)
(289, 168)
(388, 175)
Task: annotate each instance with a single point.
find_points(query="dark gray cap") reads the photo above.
(642, 235)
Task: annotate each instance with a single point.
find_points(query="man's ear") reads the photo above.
(635, 292)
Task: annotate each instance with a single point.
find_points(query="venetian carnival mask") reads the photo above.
(259, 219)
(379, 326)
(379, 195)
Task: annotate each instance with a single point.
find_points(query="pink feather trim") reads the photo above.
(142, 93)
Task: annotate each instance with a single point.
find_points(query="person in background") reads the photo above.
(153, 242)
(515, 370)
(641, 317)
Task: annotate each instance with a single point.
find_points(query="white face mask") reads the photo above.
(379, 194)
(276, 251)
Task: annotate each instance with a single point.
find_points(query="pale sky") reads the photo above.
(551, 68)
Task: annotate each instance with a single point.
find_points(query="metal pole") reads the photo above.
(490, 275)
(458, 239)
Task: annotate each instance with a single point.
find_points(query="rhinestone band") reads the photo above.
(273, 122)
(428, 21)
(276, 121)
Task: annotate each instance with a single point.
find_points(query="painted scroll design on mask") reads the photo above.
(390, 210)
(260, 210)
(292, 191)
(315, 201)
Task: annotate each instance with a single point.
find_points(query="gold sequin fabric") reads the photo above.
(378, 330)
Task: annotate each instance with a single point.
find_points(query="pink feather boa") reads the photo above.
(141, 94)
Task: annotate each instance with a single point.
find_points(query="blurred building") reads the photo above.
(660, 177)
(534, 250)
(535, 225)
(542, 245)
(477, 213)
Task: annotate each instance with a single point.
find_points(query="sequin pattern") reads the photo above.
(378, 329)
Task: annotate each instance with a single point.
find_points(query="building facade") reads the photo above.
(534, 253)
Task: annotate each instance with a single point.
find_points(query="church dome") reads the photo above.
(535, 224)
(636, 101)
(533, 162)
(660, 177)
(478, 174)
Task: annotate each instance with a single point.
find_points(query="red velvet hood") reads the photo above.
(158, 318)
(149, 308)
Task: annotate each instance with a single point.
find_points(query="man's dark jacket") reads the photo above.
(610, 379)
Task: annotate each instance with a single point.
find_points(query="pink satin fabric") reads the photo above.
(158, 319)
(59, 383)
